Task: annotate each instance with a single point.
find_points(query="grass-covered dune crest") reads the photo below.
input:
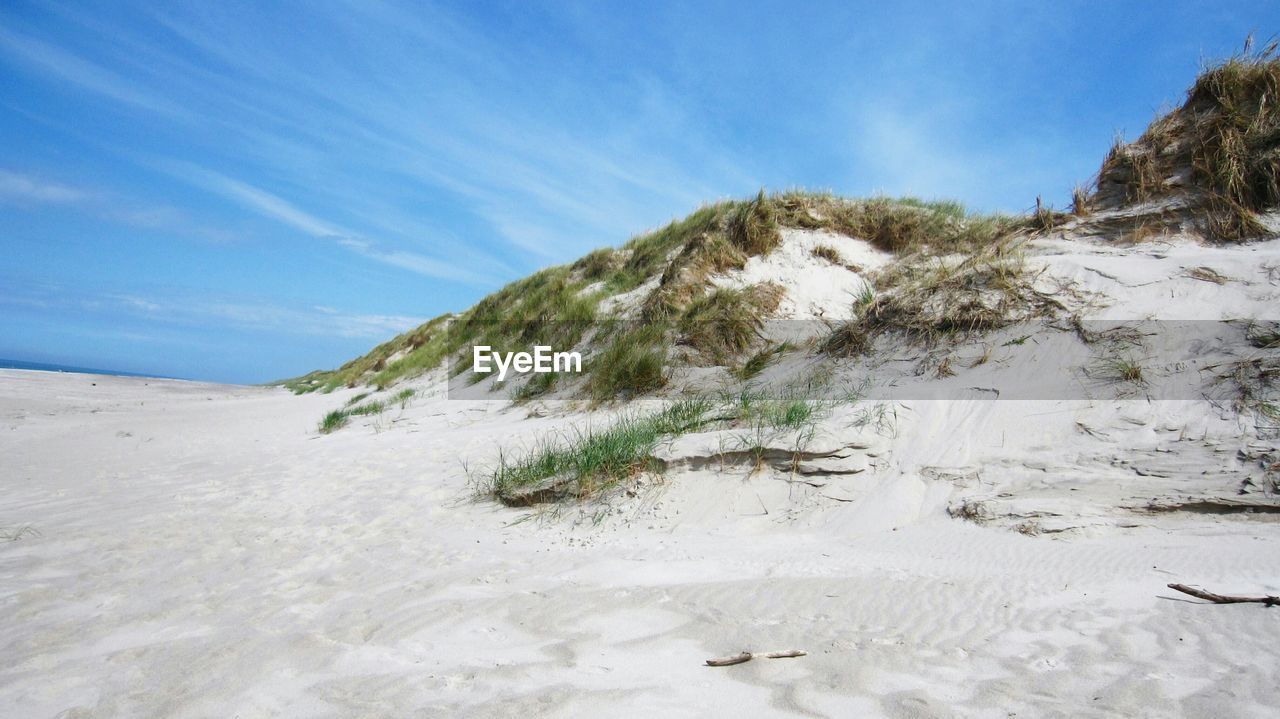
(697, 292)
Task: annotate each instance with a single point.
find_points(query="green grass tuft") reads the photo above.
(334, 421)
(761, 360)
(1120, 369)
(594, 460)
(722, 324)
(631, 365)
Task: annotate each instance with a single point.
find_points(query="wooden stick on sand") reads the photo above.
(1223, 599)
(748, 656)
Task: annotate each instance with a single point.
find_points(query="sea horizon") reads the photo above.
(73, 369)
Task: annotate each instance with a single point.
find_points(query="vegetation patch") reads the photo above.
(536, 386)
(339, 418)
(632, 364)
(899, 225)
(1225, 139)
(828, 253)
(721, 325)
(590, 461)
(931, 298)
(761, 360)
(1255, 380)
(560, 306)
(586, 463)
(1120, 369)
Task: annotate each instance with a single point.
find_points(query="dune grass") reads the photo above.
(560, 306)
(1224, 134)
(1081, 203)
(593, 461)
(339, 418)
(759, 361)
(333, 421)
(633, 363)
(597, 459)
(1120, 369)
(1223, 138)
(928, 299)
(721, 324)
(536, 386)
(828, 253)
(902, 226)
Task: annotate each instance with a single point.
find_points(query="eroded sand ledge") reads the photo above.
(200, 552)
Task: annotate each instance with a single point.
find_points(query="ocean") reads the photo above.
(19, 364)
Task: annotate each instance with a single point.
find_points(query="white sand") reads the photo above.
(202, 552)
(816, 288)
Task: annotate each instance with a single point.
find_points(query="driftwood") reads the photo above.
(748, 656)
(1269, 601)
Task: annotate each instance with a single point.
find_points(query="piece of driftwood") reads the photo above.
(1270, 601)
(730, 661)
(748, 656)
(788, 654)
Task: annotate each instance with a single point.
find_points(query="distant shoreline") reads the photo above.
(70, 369)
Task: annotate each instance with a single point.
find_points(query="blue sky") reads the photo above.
(247, 191)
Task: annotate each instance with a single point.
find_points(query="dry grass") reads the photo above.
(1254, 381)
(722, 325)
(753, 227)
(731, 234)
(761, 360)
(828, 253)
(1145, 228)
(1080, 201)
(1135, 167)
(1237, 154)
(929, 299)
(1119, 369)
(1045, 218)
(1226, 137)
(903, 226)
(1207, 274)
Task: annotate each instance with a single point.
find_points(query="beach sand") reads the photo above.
(195, 550)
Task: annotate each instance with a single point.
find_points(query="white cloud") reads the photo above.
(285, 212)
(81, 72)
(25, 188)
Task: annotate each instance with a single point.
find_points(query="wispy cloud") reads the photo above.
(462, 122)
(82, 73)
(264, 202)
(25, 189)
(17, 186)
(324, 321)
(283, 211)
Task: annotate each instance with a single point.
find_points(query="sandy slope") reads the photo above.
(201, 551)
